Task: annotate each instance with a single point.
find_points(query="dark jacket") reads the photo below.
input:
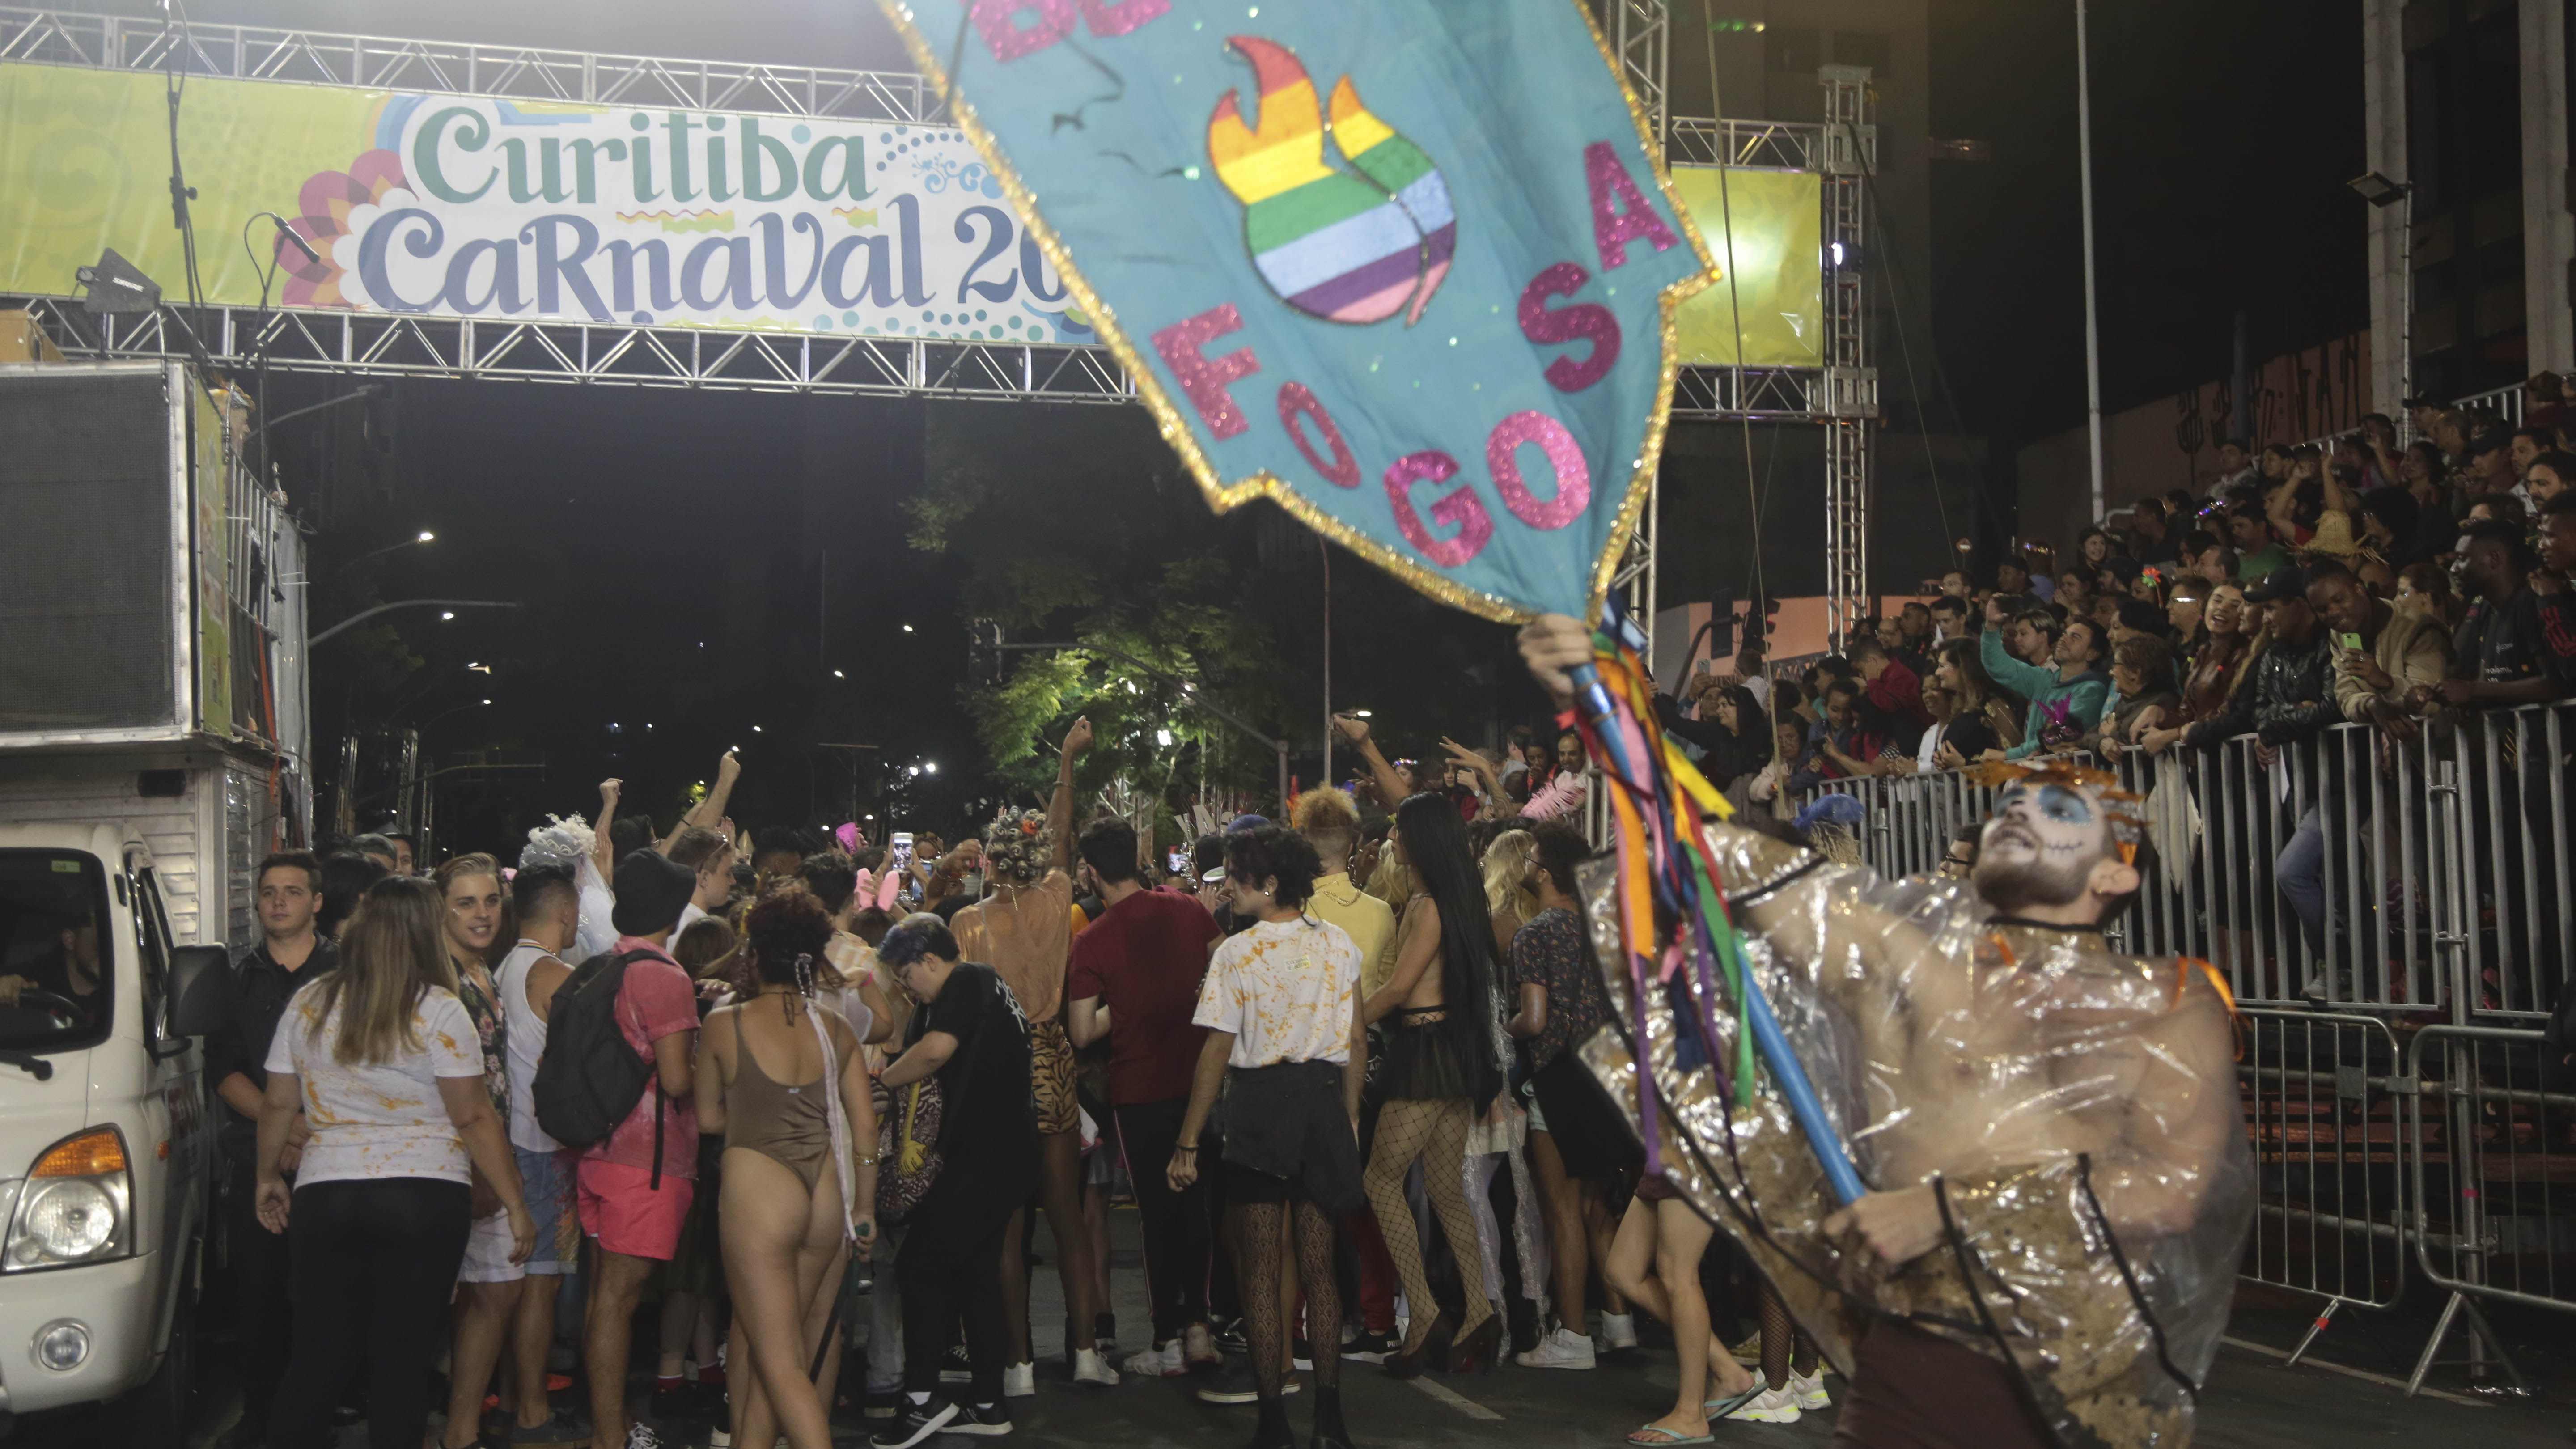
(2290, 698)
(1894, 704)
(261, 989)
(1727, 756)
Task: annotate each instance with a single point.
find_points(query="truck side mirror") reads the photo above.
(201, 988)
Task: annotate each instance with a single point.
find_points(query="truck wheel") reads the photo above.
(155, 1415)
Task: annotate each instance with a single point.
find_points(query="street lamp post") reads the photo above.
(424, 536)
(2092, 316)
(363, 615)
(444, 713)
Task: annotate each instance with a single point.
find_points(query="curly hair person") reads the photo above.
(1018, 851)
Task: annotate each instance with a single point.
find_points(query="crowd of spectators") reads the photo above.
(2412, 588)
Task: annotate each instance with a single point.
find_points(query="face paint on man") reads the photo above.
(2041, 847)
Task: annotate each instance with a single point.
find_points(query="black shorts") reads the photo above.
(1592, 1135)
(1250, 1185)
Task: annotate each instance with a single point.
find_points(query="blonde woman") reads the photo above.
(383, 1060)
(1495, 1141)
(1507, 893)
(488, 1287)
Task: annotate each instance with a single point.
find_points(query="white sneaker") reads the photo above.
(1809, 1390)
(1563, 1349)
(1771, 1406)
(1019, 1380)
(720, 1437)
(1618, 1330)
(1088, 1368)
(1164, 1361)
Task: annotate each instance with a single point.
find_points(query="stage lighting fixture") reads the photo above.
(117, 285)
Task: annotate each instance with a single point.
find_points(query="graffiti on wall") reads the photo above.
(2295, 398)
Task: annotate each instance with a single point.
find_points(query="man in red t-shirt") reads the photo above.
(1135, 980)
(631, 1205)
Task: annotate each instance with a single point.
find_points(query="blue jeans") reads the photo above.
(2300, 873)
(2310, 869)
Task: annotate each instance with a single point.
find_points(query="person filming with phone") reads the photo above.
(2381, 654)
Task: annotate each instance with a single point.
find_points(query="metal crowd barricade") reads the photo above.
(2321, 1094)
(2491, 1154)
(2394, 1089)
(2440, 866)
(2378, 850)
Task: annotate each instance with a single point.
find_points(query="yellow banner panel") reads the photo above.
(1775, 253)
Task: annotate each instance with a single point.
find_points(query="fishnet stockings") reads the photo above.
(1261, 1229)
(1784, 1347)
(1435, 1132)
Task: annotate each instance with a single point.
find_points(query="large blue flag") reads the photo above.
(1406, 266)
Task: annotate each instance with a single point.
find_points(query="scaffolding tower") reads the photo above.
(1842, 395)
(1641, 32)
(1850, 382)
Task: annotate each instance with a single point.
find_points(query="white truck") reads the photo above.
(152, 749)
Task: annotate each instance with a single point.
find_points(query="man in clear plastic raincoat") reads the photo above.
(2060, 1180)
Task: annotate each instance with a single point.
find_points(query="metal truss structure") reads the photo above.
(415, 345)
(1850, 382)
(251, 52)
(1641, 33)
(1842, 395)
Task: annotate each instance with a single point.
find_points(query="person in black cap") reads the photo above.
(633, 1187)
(2287, 704)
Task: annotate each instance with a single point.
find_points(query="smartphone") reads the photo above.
(1699, 667)
(1177, 862)
(2348, 641)
(900, 846)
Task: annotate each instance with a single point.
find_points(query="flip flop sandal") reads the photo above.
(1726, 1407)
(1652, 1437)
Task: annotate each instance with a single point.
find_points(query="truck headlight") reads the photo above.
(76, 1205)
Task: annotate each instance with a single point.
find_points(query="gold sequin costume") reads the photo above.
(2075, 1111)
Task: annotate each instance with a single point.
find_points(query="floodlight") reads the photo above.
(2378, 190)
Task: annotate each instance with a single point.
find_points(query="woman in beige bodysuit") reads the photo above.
(795, 1189)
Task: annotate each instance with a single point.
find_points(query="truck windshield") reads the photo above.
(57, 950)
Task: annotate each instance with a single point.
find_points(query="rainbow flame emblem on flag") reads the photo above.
(1356, 245)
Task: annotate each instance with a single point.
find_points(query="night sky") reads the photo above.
(661, 538)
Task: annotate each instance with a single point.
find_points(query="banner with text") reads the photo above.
(522, 210)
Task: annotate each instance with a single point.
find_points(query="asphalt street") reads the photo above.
(2352, 1394)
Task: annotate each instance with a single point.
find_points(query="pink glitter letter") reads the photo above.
(1459, 507)
(1584, 320)
(1620, 213)
(1573, 475)
(1344, 470)
(1205, 378)
(999, 21)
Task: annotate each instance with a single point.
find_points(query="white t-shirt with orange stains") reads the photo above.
(1286, 990)
(385, 1119)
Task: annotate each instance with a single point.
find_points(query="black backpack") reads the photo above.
(588, 1078)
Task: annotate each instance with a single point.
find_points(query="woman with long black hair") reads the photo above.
(1440, 1074)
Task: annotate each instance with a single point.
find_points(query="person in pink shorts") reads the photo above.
(633, 1189)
